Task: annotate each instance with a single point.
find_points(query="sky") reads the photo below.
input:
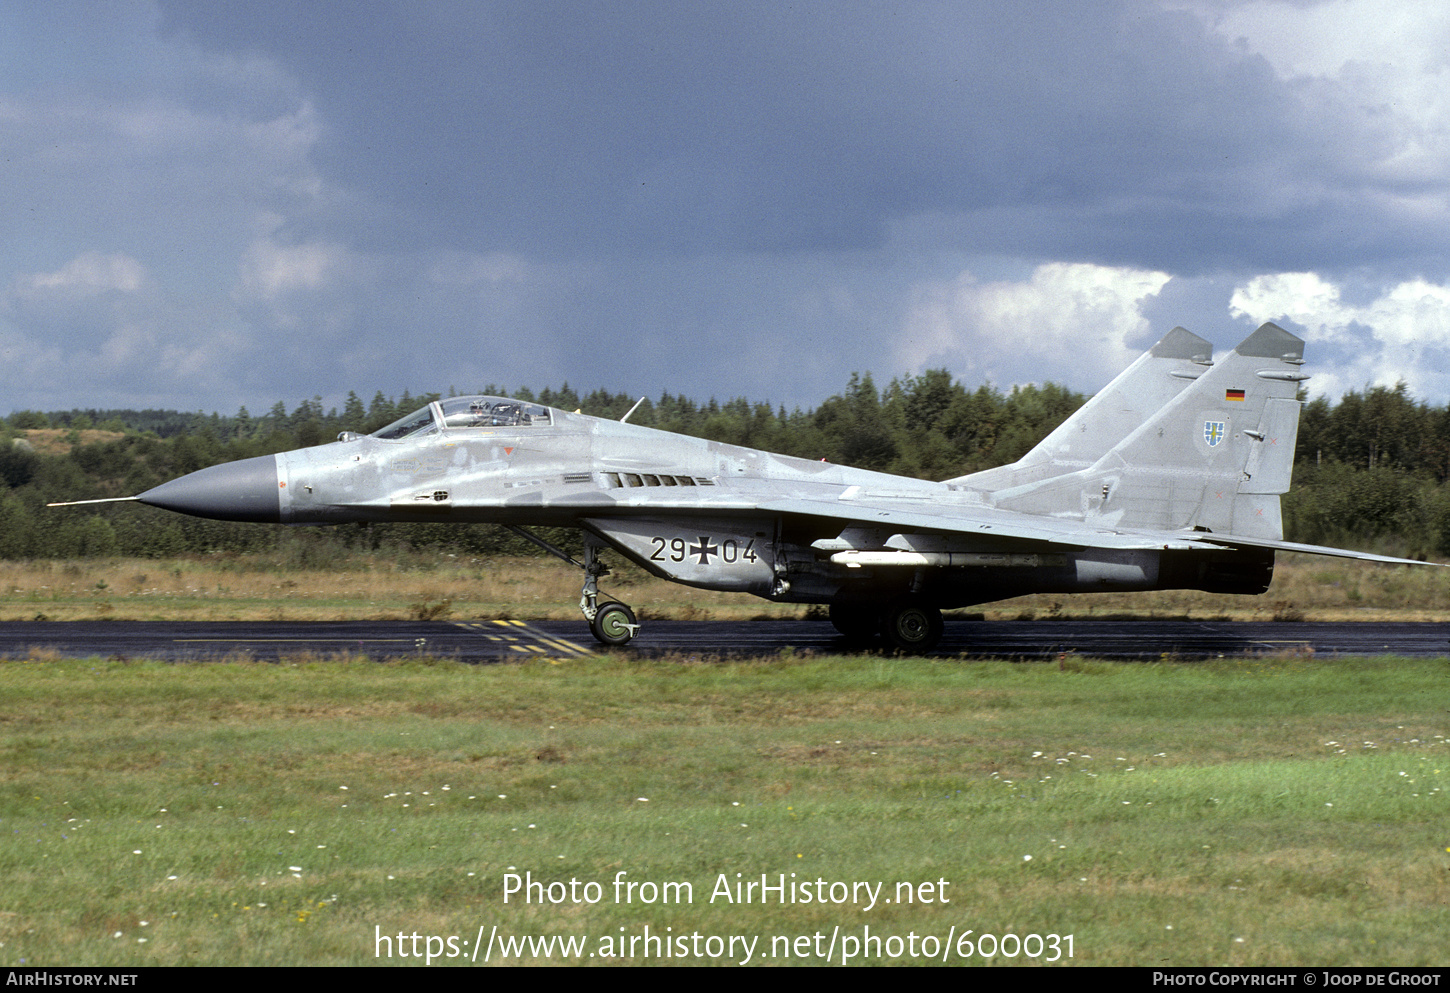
(207, 206)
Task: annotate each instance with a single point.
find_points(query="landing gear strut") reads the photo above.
(611, 622)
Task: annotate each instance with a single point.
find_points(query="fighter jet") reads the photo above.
(1167, 479)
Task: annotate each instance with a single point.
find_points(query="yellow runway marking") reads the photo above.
(525, 639)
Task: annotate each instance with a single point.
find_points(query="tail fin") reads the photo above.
(1138, 392)
(1214, 458)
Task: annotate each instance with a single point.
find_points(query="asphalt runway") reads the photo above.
(501, 641)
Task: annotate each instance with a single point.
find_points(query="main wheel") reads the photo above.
(912, 626)
(857, 621)
(613, 624)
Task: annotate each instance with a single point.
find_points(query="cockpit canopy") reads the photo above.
(461, 413)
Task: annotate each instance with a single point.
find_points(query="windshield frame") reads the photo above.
(466, 413)
(423, 421)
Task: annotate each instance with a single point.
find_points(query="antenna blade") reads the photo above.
(631, 410)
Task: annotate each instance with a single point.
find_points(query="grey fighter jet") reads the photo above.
(1168, 479)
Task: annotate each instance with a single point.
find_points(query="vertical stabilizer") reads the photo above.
(1138, 392)
(1215, 457)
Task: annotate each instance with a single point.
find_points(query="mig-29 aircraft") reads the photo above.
(1168, 479)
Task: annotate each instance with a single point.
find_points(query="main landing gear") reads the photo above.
(907, 624)
(611, 622)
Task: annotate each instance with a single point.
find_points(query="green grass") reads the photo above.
(1270, 811)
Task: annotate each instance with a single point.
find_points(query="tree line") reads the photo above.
(1371, 470)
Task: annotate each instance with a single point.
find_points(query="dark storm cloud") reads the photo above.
(1116, 132)
(707, 198)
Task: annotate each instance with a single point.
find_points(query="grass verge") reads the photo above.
(1268, 811)
(429, 586)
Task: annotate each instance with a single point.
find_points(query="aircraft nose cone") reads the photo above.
(236, 491)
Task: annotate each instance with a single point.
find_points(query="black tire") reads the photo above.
(613, 624)
(911, 626)
(857, 621)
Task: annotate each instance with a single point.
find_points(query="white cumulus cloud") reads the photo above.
(1068, 321)
(1403, 333)
(86, 275)
(270, 271)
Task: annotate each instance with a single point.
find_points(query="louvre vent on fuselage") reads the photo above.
(625, 480)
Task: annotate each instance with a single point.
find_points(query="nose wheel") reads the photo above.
(613, 623)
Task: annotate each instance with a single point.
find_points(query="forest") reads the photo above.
(1370, 470)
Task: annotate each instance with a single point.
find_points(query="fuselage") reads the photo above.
(698, 512)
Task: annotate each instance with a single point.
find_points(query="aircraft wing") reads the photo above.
(990, 523)
(979, 522)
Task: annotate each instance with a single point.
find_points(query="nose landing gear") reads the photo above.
(612, 623)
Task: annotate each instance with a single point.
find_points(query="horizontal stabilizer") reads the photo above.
(1233, 541)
